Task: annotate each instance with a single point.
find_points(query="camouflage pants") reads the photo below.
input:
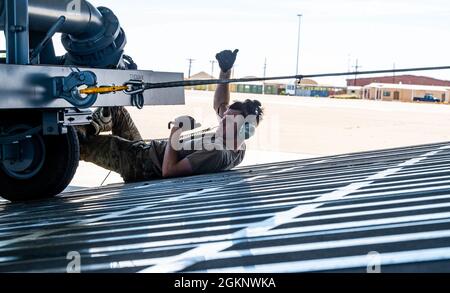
(123, 152)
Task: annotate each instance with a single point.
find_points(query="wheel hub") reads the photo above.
(26, 156)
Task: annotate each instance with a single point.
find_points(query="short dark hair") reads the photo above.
(249, 107)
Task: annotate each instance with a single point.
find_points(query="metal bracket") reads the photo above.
(136, 91)
(53, 123)
(77, 117)
(67, 88)
(56, 122)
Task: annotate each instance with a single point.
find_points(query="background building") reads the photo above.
(310, 88)
(202, 76)
(400, 79)
(404, 92)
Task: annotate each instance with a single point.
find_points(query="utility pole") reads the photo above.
(265, 67)
(298, 44)
(190, 66)
(264, 74)
(393, 77)
(213, 62)
(356, 67)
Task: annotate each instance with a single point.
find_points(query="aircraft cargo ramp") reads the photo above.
(386, 209)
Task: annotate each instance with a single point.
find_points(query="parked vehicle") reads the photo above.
(291, 89)
(427, 98)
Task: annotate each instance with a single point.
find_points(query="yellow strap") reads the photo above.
(103, 90)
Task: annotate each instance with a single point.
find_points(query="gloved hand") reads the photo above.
(185, 123)
(226, 59)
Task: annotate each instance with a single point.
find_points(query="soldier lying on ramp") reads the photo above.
(126, 153)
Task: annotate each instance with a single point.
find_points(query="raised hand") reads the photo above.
(227, 59)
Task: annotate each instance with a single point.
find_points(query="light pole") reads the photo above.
(213, 62)
(265, 69)
(298, 47)
(190, 60)
(356, 71)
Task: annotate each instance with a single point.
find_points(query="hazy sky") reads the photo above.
(163, 34)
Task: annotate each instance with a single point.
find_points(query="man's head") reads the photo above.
(249, 108)
(241, 120)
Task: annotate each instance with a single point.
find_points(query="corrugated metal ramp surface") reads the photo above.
(336, 213)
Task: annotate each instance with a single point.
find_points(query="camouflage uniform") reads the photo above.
(124, 151)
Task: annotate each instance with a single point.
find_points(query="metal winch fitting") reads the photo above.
(68, 88)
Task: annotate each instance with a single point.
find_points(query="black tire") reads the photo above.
(60, 165)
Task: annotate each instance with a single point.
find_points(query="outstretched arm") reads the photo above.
(222, 96)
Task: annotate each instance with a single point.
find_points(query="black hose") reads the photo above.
(187, 83)
(82, 18)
